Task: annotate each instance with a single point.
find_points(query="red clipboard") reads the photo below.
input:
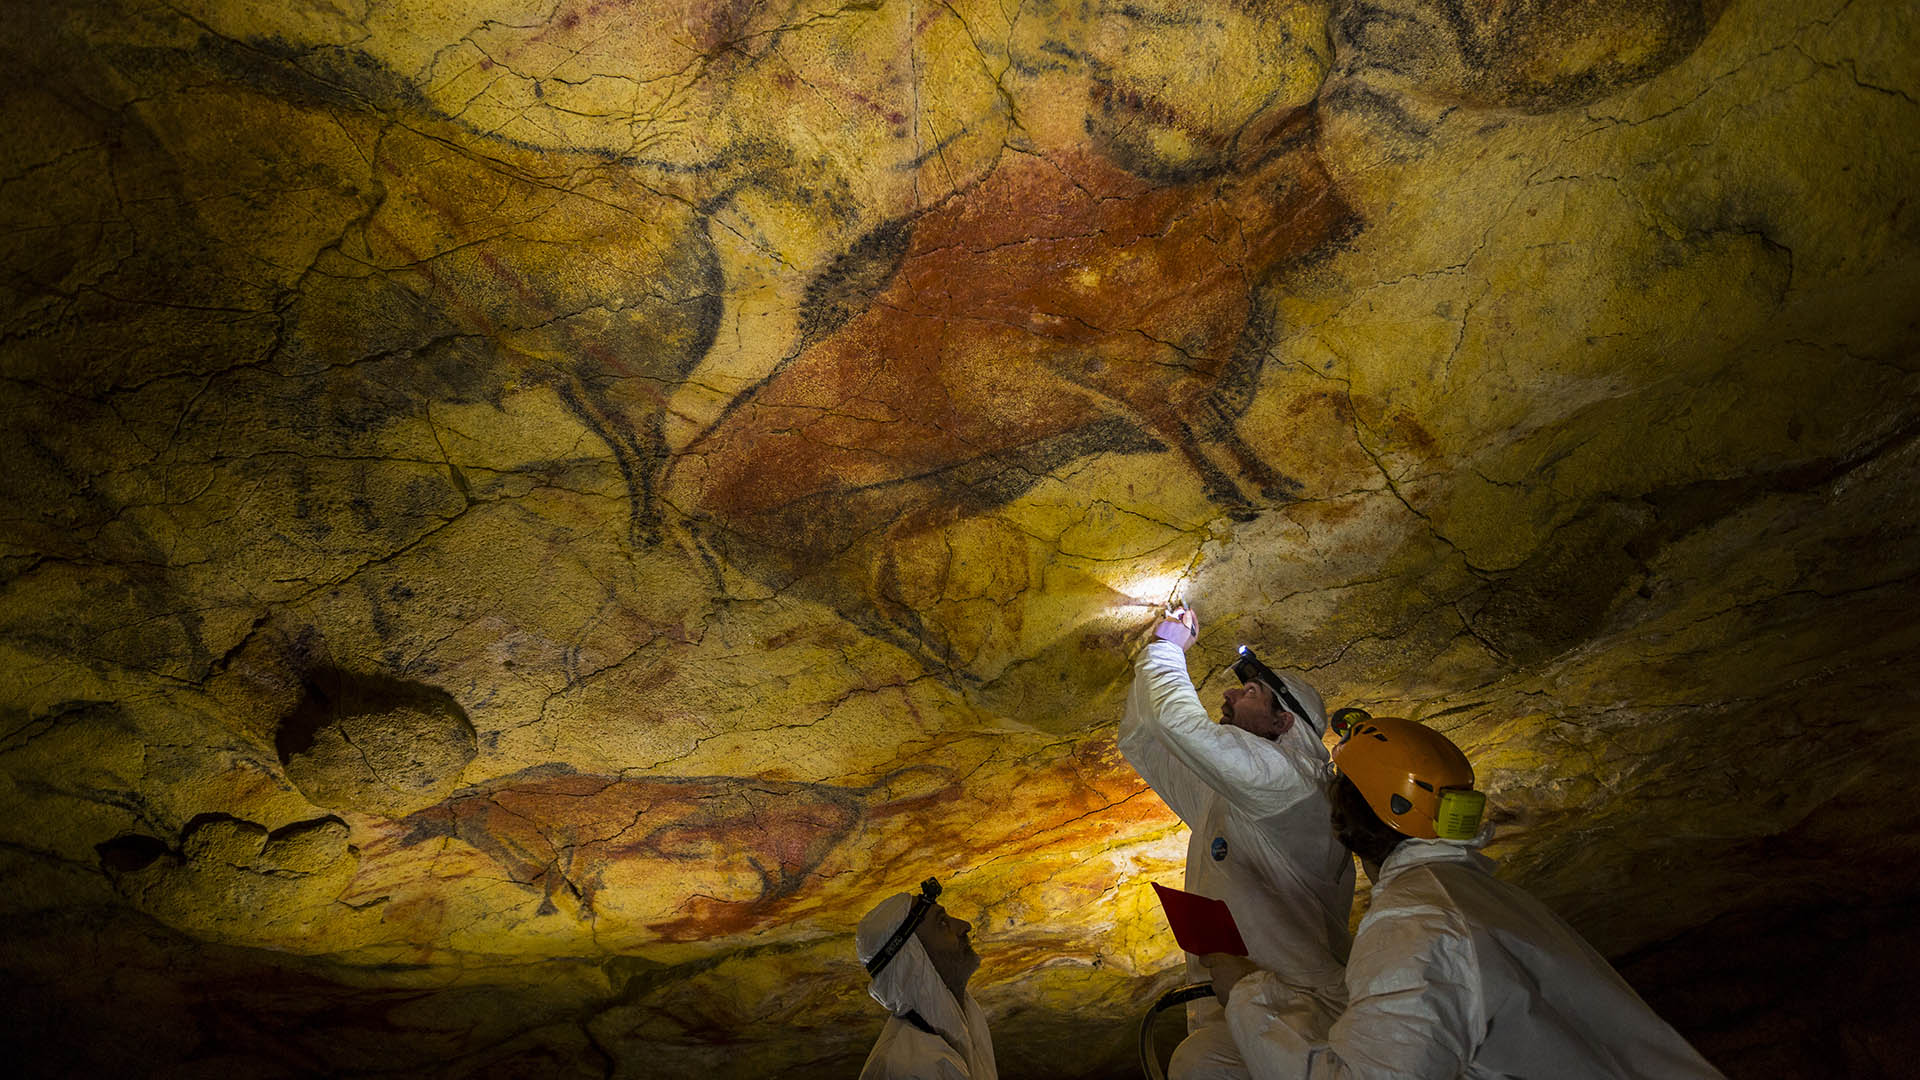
(1200, 924)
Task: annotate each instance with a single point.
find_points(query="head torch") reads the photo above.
(1342, 721)
(923, 903)
(1248, 668)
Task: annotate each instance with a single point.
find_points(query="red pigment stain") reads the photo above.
(1085, 801)
(719, 23)
(881, 109)
(512, 277)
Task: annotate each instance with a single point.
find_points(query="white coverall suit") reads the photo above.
(1457, 974)
(1261, 840)
(931, 1034)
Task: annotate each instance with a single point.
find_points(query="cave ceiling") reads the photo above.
(522, 520)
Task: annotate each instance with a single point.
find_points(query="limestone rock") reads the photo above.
(374, 745)
(234, 880)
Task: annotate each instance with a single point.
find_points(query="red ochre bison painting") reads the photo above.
(1061, 307)
(580, 839)
(555, 832)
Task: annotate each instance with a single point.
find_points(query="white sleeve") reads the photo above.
(1241, 767)
(1160, 682)
(1411, 1018)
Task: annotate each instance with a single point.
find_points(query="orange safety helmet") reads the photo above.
(1413, 777)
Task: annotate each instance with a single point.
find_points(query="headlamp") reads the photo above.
(1342, 721)
(929, 893)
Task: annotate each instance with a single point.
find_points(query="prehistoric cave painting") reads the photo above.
(998, 351)
(1177, 90)
(999, 335)
(611, 309)
(555, 831)
(1110, 298)
(701, 857)
(1104, 297)
(1537, 55)
(471, 273)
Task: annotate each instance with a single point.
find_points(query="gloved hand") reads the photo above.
(1227, 970)
(1180, 627)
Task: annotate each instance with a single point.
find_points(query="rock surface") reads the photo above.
(374, 745)
(523, 520)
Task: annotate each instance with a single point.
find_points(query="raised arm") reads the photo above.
(1241, 766)
(1160, 682)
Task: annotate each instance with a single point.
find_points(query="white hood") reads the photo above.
(909, 983)
(1301, 743)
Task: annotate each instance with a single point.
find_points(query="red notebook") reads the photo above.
(1200, 924)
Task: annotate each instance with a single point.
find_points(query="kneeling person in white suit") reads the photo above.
(1453, 972)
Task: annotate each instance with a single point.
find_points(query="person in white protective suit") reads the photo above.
(1453, 973)
(919, 959)
(1249, 788)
